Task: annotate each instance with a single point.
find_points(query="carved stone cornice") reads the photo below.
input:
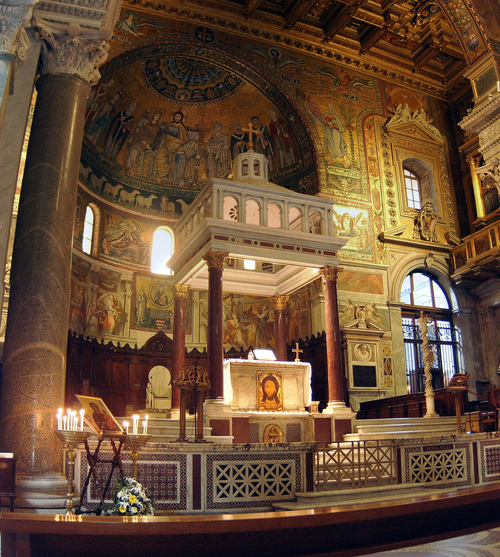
(279, 302)
(72, 53)
(14, 17)
(215, 259)
(482, 116)
(181, 290)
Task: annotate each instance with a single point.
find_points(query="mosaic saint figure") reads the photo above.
(218, 162)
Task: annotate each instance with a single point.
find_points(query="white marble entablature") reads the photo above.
(261, 222)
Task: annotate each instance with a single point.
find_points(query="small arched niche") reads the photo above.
(252, 210)
(159, 389)
(231, 208)
(294, 219)
(274, 215)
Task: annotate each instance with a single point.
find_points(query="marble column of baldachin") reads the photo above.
(333, 343)
(279, 304)
(34, 365)
(215, 340)
(181, 292)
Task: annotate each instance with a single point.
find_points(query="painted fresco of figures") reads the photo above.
(109, 309)
(118, 131)
(77, 310)
(124, 241)
(218, 161)
(239, 140)
(262, 141)
(282, 139)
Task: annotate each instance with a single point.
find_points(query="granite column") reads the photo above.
(34, 366)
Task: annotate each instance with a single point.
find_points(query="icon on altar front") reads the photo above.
(270, 391)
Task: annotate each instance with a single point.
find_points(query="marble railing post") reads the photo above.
(215, 341)
(279, 304)
(181, 292)
(34, 365)
(333, 344)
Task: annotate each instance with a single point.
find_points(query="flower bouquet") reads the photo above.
(130, 499)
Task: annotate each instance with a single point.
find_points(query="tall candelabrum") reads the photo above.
(71, 440)
(134, 443)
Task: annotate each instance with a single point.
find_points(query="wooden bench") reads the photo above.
(338, 531)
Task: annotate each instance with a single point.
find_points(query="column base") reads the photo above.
(43, 495)
(338, 408)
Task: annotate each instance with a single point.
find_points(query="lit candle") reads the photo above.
(68, 421)
(75, 420)
(65, 421)
(144, 427)
(146, 418)
(59, 418)
(125, 426)
(82, 416)
(135, 424)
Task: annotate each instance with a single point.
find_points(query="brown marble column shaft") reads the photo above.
(279, 304)
(215, 340)
(34, 365)
(181, 292)
(333, 344)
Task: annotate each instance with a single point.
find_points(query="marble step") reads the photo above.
(340, 497)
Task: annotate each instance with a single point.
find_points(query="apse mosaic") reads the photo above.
(162, 124)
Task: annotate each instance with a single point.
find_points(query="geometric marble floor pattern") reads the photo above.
(479, 544)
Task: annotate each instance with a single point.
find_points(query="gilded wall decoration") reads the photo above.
(354, 223)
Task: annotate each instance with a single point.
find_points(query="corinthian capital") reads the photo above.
(279, 302)
(15, 15)
(330, 273)
(72, 53)
(215, 259)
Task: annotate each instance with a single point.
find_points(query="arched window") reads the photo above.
(88, 230)
(421, 292)
(163, 249)
(413, 193)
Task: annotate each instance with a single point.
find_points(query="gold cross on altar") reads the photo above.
(297, 351)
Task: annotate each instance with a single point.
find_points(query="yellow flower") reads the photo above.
(132, 499)
(123, 509)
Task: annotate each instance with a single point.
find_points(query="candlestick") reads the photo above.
(146, 417)
(71, 439)
(59, 418)
(125, 427)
